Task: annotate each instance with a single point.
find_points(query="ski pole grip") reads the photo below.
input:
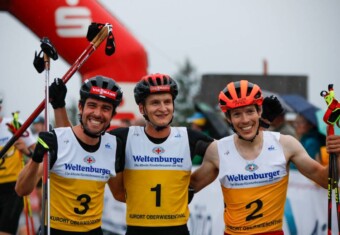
(101, 36)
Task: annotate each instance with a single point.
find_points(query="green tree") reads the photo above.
(189, 82)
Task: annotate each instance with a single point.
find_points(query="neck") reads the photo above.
(249, 150)
(257, 140)
(79, 132)
(151, 131)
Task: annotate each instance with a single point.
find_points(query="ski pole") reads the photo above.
(329, 190)
(94, 44)
(49, 52)
(331, 117)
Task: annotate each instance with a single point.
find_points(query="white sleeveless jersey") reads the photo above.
(156, 178)
(254, 191)
(77, 181)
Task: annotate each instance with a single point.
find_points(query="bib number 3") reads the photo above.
(84, 201)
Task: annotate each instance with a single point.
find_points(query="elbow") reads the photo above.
(119, 197)
(21, 191)
(195, 184)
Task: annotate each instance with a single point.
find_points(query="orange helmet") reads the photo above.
(239, 94)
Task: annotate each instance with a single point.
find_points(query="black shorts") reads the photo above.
(11, 206)
(96, 231)
(171, 230)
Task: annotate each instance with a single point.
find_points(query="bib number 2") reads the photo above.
(256, 207)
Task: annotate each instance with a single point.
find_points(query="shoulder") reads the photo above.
(227, 138)
(290, 145)
(121, 133)
(287, 139)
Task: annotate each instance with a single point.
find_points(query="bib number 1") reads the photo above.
(157, 189)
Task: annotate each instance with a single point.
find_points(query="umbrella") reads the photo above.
(322, 126)
(301, 106)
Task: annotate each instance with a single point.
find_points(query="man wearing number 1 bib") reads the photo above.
(158, 162)
(253, 165)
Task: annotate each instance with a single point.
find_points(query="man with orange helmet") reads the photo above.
(253, 165)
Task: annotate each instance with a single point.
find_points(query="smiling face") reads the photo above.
(96, 115)
(159, 108)
(245, 121)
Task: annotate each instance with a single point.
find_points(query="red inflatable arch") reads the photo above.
(65, 23)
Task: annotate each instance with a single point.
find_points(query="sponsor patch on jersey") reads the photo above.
(108, 146)
(158, 150)
(271, 148)
(89, 160)
(251, 167)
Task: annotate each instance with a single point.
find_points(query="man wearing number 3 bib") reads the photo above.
(253, 165)
(82, 159)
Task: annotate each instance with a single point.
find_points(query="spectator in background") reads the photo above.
(37, 126)
(309, 136)
(198, 122)
(11, 204)
(280, 124)
(302, 192)
(125, 122)
(139, 121)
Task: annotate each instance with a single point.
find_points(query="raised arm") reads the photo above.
(57, 95)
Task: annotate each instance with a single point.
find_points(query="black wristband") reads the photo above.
(58, 104)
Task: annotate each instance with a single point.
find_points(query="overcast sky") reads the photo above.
(218, 36)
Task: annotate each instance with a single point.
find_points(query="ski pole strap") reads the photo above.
(43, 143)
(16, 123)
(14, 126)
(332, 114)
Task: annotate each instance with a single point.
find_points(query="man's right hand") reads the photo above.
(57, 93)
(46, 142)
